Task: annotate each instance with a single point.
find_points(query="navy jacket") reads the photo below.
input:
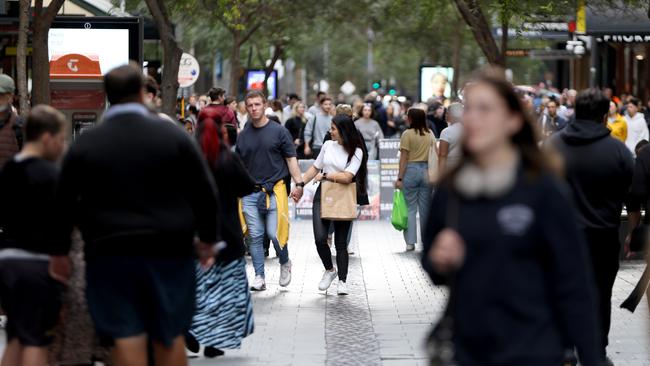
(136, 185)
(525, 288)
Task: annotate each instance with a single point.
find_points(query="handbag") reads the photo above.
(440, 344)
(338, 201)
(400, 215)
(432, 170)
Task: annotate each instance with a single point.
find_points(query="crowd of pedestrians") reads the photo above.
(517, 195)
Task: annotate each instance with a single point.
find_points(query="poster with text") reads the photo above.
(389, 160)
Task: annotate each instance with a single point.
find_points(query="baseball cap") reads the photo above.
(7, 84)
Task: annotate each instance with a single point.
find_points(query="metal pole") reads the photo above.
(370, 65)
(593, 69)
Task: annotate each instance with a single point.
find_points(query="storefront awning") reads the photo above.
(624, 25)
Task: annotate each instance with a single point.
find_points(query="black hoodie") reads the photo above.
(599, 170)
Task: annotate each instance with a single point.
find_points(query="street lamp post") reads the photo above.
(371, 66)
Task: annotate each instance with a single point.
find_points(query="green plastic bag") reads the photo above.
(400, 215)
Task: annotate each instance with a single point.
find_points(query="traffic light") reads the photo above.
(392, 91)
(376, 84)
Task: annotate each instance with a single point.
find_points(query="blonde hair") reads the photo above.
(344, 109)
(294, 110)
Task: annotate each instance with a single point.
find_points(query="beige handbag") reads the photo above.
(433, 172)
(338, 201)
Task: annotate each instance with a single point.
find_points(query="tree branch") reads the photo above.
(249, 33)
(475, 19)
(161, 18)
(51, 11)
(38, 6)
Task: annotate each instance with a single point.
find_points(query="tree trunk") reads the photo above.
(171, 55)
(40, 66)
(278, 50)
(43, 19)
(21, 56)
(504, 42)
(235, 64)
(478, 24)
(169, 86)
(458, 44)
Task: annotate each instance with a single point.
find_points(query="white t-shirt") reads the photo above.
(453, 136)
(637, 130)
(334, 159)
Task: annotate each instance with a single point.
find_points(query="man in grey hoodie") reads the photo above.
(317, 128)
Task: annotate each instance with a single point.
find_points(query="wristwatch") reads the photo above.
(301, 184)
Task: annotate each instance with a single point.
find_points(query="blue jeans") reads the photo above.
(417, 193)
(260, 220)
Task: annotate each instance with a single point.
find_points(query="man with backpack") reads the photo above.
(11, 137)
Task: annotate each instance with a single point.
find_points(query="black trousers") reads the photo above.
(604, 247)
(341, 233)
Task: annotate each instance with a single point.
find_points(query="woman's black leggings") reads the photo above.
(341, 231)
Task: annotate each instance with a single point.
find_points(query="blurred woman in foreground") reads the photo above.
(502, 234)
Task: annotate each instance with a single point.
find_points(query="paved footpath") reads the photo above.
(387, 315)
(385, 319)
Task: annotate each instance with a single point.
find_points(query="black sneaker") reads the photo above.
(191, 343)
(211, 352)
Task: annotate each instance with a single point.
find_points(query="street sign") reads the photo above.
(551, 30)
(552, 55)
(518, 52)
(188, 71)
(624, 38)
(348, 88)
(581, 18)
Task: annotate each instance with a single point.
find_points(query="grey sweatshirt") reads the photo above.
(317, 128)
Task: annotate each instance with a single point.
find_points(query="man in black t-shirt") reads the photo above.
(32, 268)
(269, 154)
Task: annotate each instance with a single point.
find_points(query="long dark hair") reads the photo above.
(210, 135)
(418, 120)
(535, 160)
(352, 140)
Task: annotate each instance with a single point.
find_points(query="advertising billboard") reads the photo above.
(435, 82)
(255, 81)
(112, 41)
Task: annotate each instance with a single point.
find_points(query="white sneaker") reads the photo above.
(327, 279)
(410, 247)
(258, 284)
(342, 289)
(285, 274)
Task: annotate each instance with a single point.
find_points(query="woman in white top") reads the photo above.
(342, 159)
